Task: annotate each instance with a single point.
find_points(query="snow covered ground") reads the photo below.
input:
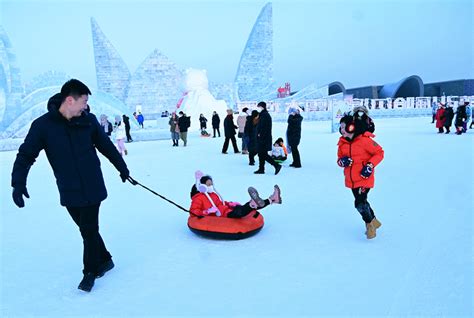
(310, 259)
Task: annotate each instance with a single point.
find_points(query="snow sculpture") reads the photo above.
(198, 100)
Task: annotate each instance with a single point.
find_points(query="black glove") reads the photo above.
(367, 170)
(124, 175)
(18, 194)
(344, 161)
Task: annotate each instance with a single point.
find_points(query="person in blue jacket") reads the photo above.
(70, 137)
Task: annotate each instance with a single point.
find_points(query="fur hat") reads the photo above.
(204, 179)
(361, 108)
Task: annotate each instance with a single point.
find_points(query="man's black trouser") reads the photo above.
(362, 205)
(262, 157)
(95, 253)
(226, 144)
(296, 155)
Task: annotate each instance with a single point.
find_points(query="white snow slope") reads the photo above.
(310, 259)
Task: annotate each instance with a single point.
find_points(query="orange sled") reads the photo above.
(226, 228)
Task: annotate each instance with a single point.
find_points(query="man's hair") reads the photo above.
(262, 104)
(74, 88)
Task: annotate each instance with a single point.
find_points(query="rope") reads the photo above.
(135, 182)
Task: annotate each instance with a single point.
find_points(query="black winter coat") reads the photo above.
(264, 131)
(215, 121)
(461, 116)
(293, 132)
(126, 121)
(250, 131)
(229, 126)
(184, 122)
(448, 115)
(70, 147)
(203, 122)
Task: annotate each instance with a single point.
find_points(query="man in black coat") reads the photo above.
(216, 121)
(293, 134)
(126, 122)
(184, 122)
(229, 132)
(70, 136)
(250, 133)
(264, 139)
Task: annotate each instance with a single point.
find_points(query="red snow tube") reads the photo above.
(226, 228)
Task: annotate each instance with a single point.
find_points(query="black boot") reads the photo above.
(104, 268)
(87, 282)
(277, 168)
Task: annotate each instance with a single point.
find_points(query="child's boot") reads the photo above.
(276, 195)
(376, 223)
(255, 197)
(370, 230)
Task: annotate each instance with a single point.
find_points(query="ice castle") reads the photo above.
(155, 86)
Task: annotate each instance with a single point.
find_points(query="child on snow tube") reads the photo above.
(205, 200)
(279, 152)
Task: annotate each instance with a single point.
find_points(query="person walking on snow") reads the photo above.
(241, 121)
(70, 138)
(174, 129)
(126, 122)
(120, 136)
(293, 135)
(264, 140)
(216, 121)
(359, 155)
(229, 132)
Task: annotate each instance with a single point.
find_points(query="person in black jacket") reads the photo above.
(461, 119)
(229, 132)
(216, 121)
(70, 136)
(250, 132)
(293, 135)
(264, 139)
(126, 122)
(184, 122)
(448, 115)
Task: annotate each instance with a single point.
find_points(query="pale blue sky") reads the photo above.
(359, 42)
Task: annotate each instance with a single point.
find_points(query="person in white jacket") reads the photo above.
(120, 135)
(241, 120)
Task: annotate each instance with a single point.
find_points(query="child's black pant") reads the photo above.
(362, 205)
(242, 210)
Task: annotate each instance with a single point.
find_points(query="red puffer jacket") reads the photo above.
(362, 150)
(440, 118)
(200, 203)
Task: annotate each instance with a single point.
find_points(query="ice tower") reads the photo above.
(254, 76)
(10, 82)
(112, 73)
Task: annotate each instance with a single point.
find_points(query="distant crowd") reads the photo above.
(254, 128)
(444, 115)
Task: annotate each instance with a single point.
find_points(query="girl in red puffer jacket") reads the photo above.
(205, 200)
(358, 155)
